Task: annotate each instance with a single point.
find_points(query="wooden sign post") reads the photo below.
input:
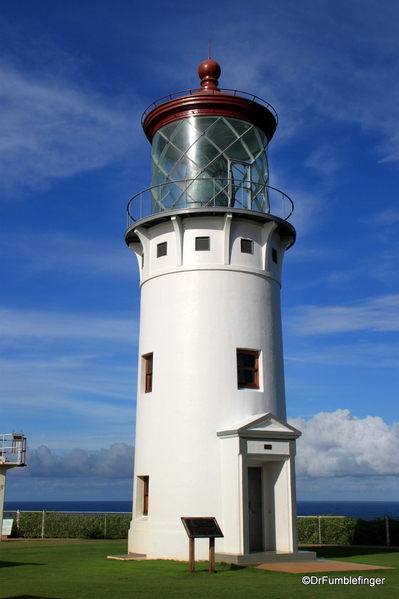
(201, 528)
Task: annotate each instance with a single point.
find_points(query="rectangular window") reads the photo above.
(146, 492)
(247, 368)
(274, 255)
(202, 244)
(148, 363)
(247, 246)
(162, 249)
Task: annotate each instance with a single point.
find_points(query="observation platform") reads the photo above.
(12, 450)
(209, 197)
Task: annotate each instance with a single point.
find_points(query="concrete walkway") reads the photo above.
(319, 565)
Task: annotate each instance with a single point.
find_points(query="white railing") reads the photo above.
(13, 449)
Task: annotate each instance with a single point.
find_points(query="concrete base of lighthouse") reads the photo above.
(266, 557)
(249, 559)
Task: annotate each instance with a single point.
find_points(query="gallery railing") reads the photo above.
(208, 192)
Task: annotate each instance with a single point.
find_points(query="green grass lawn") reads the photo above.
(79, 569)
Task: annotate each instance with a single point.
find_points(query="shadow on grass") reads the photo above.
(234, 567)
(341, 552)
(28, 597)
(12, 564)
(220, 567)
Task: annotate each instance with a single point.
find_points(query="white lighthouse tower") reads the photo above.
(211, 434)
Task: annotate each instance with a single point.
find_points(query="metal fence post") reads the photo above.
(43, 519)
(318, 518)
(387, 529)
(105, 526)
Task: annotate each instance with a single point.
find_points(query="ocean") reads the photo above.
(351, 509)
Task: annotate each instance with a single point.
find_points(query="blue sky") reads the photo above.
(75, 78)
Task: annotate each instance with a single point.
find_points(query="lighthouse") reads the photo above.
(210, 236)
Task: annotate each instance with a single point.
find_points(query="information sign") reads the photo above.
(202, 528)
(7, 526)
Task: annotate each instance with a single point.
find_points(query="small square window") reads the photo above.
(148, 364)
(247, 246)
(247, 369)
(274, 255)
(202, 244)
(162, 249)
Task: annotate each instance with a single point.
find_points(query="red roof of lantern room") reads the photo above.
(209, 100)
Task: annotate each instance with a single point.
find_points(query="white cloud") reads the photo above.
(48, 325)
(349, 488)
(376, 314)
(315, 63)
(61, 252)
(354, 353)
(115, 462)
(338, 444)
(386, 218)
(77, 370)
(54, 128)
(323, 159)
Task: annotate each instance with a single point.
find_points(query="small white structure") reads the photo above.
(211, 436)
(12, 454)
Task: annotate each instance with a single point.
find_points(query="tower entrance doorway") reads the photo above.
(255, 509)
(264, 509)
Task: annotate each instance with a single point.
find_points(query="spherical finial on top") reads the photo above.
(209, 73)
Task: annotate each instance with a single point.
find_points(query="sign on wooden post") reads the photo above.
(201, 528)
(7, 527)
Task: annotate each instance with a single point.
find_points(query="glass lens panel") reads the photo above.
(239, 126)
(221, 135)
(185, 136)
(204, 122)
(158, 145)
(252, 142)
(206, 148)
(204, 152)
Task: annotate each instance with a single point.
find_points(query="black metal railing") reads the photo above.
(209, 192)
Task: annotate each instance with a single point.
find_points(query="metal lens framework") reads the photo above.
(209, 161)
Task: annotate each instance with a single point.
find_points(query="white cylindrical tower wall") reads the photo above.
(198, 307)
